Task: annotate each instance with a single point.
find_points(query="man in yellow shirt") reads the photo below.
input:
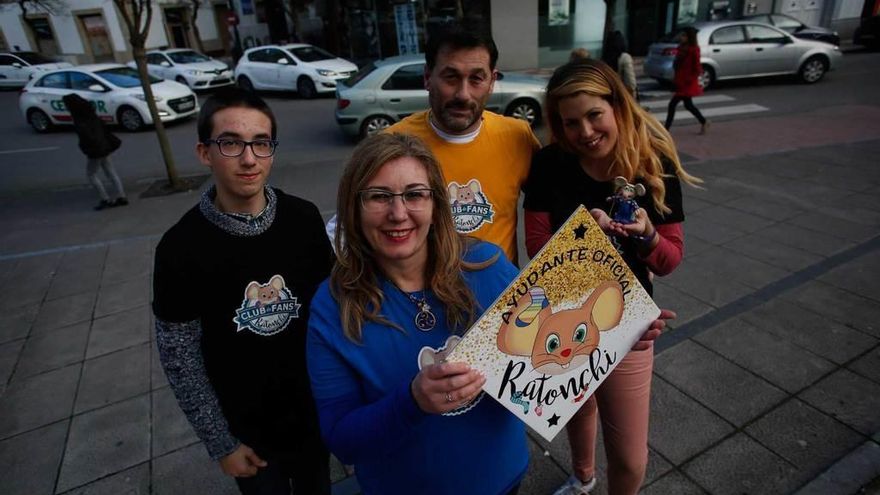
(485, 157)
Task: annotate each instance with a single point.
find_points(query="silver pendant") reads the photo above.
(425, 319)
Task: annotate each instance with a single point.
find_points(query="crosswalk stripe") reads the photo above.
(682, 113)
(654, 104)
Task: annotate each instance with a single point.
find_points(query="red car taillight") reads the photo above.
(669, 52)
(22, 91)
(342, 103)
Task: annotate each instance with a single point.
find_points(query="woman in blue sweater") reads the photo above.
(404, 284)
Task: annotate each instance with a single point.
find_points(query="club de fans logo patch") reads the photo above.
(470, 207)
(267, 308)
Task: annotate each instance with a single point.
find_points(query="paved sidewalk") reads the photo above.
(769, 381)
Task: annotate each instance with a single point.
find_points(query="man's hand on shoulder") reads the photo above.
(243, 462)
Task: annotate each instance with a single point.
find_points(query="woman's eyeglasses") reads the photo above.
(262, 148)
(378, 200)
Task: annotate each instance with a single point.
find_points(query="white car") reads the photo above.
(17, 68)
(188, 67)
(306, 69)
(114, 89)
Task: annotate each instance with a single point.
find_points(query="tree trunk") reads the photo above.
(195, 27)
(164, 145)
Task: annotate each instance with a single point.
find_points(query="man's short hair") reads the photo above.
(231, 98)
(458, 37)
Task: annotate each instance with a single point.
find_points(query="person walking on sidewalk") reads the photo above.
(601, 134)
(687, 78)
(615, 55)
(232, 284)
(97, 143)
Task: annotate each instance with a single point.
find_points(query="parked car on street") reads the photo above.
(188, 67)
(868, 32)
(306, 69)
(388, 90)
(737, 49)
(114, 89)
(17, 68)
(796, 28)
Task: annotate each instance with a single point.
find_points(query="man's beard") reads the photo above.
(455, 124)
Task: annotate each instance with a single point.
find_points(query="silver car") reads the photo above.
(388, 90)
(737, 49)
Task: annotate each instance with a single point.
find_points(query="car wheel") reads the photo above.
(39, 120)
(813, 70)
(707, 78)
(374, 125)
(182, 80)
(245, 83)
(527, 110)
(130, 119)
(306, 88)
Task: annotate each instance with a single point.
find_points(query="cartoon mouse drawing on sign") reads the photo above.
(562, 341)
(263, 295)
(462, 195)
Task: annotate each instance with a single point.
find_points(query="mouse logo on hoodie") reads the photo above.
(267, 308)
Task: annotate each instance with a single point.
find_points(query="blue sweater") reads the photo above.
(369, 418)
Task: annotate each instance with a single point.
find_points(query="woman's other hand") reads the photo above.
(440, 388)
(647, 339)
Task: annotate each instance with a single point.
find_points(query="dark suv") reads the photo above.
(797, 28)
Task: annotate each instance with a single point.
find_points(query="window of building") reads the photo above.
(43, 35)
(564, 25)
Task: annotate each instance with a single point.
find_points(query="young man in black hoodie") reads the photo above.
(233, 282)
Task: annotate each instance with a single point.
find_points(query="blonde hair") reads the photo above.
(355, 279)
(642, 142)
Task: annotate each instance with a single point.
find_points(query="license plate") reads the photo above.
(187, 105)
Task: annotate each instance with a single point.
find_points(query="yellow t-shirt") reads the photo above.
(485, 176)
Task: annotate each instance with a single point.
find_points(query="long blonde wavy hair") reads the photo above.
(356, 279)
(642, 142)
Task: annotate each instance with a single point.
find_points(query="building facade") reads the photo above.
(529, 33)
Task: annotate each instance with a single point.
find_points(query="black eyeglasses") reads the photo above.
(378, 200)
(262, 148)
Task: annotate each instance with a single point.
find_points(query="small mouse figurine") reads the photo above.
(624, 206)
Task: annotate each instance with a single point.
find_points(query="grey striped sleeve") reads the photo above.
(180, 352)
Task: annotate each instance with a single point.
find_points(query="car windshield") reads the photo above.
(34, 58)
(124, 77)
(311, 54)
(188, 57)
(360, 75)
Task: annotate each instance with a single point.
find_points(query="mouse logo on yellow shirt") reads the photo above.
(470, 207)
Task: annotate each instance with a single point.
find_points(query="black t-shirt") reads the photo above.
(252, 296)
(558, 185)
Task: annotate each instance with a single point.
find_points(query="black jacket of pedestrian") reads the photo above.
(95, 140)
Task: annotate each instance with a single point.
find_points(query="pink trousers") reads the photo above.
(623, 403)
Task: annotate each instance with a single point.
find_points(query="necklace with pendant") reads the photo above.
(425, 319)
